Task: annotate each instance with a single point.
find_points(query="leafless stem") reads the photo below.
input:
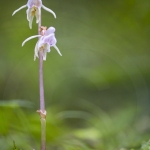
(42, 102)
(42, 111)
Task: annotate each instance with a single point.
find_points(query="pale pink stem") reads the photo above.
(42, 110)
(42, 102)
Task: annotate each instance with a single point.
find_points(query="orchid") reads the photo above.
(34, 9)
(46, 40)
(44, 43)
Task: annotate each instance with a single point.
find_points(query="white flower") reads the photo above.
(44, 43)
(34, 9)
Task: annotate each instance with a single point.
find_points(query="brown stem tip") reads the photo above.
(42, 113)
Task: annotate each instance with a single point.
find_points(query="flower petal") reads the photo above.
(29, 17)
(19, 9)
(36, 51)
(49, 10)
(38, 14)
(48, 48)
(44, 54)
(30, 21)
(31, 37)
(57, 50)
(28, 14)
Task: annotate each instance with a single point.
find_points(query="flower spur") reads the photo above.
(34, 9)
(46, 40)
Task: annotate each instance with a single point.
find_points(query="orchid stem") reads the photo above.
(42, 102)
(42, 111)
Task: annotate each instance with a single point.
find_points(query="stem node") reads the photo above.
(42, 114)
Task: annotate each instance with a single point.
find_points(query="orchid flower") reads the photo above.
(34, 9)
(44, 43)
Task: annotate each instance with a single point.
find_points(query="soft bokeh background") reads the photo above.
(97, 93)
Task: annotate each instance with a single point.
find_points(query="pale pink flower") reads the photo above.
(44, 43)
(34, 9)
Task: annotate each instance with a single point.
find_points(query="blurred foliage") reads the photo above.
(121, 130)
(146, 146)
(97, 93)
(15, 148)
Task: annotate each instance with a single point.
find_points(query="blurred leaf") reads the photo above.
(146, 146)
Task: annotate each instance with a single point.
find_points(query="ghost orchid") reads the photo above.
(34, 9)
(44, 43)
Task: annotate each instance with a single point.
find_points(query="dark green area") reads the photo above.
(97, 93)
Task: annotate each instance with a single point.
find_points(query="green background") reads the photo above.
(97, 93)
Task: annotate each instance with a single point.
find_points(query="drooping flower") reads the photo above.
(44, 43)
(34, 9)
